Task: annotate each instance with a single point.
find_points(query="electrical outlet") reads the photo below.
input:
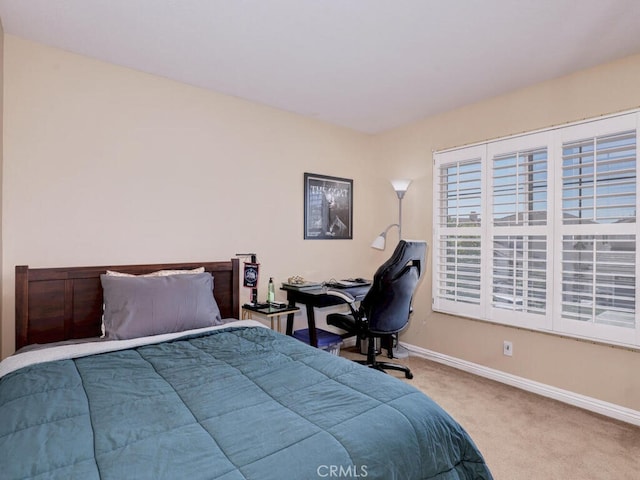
(507, 348)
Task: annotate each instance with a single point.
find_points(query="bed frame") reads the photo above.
(54, 304)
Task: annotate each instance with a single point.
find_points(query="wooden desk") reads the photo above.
(269, 313)
(317, 297)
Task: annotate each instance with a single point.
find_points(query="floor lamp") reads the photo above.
(401, 187)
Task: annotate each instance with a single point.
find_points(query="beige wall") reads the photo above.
(107, 165)
(603, 372)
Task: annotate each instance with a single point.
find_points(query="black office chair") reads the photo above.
(386, 308)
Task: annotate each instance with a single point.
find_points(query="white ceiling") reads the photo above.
(370, 65)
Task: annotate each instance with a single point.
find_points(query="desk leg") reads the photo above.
(311, 319)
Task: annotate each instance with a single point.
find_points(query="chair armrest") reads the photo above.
(348, 299)
(345, 296)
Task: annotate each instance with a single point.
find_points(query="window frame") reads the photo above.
(554, 230)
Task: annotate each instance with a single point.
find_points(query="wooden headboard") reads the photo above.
(54, 304)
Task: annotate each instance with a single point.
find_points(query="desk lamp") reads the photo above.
(401, 187)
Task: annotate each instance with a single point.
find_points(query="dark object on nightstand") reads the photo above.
(386, 308)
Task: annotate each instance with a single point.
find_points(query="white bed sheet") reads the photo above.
(62, 352)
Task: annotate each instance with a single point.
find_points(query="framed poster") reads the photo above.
(328, 207)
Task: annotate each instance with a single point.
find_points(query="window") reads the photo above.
(539, 230)
(599, 179)
(520, 188)
(458, 276)
(460, 273)
(519, 273)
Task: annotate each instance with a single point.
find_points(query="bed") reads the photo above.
(230, 400)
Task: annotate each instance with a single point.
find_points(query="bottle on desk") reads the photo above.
(271, 291)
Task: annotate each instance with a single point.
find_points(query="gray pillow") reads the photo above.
(140, 306)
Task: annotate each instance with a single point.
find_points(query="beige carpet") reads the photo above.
(524, 436)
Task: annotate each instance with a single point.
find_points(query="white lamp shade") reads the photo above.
(401, 185)
(379, 242)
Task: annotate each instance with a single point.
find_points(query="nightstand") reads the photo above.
(271, 313)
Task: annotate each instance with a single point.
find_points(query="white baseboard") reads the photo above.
(588, 403)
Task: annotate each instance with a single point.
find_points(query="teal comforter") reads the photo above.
(237, 403)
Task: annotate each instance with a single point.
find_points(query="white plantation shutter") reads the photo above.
(520, 188)
(519, 278)
(597, 265)
(539, 230)
(461, 194)
(598, 279)
(457, 243)
(459, 275)
(519, 193)
(599, 179)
